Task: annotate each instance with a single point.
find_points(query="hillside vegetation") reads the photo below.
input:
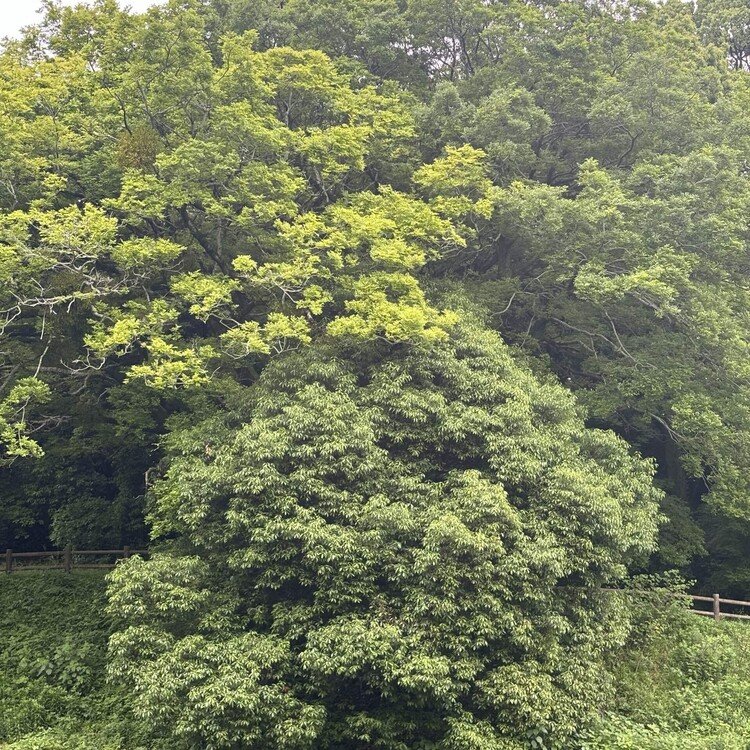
(399, 331)
(680, 683)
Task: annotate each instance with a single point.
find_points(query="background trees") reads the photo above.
(251, 248)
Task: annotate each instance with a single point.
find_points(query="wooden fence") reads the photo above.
(71, 559)
(67, 559)
(716, 602)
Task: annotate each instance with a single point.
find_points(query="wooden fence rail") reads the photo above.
(715, 611)
(715, 600)
(67, 559)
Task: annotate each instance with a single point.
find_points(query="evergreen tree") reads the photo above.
(401, 548)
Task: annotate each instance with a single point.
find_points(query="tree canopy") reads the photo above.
(396, 328)
(397, 552)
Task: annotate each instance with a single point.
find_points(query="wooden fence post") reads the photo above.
(126, 552)
(68, 559)
(717, 608)
(8, 560)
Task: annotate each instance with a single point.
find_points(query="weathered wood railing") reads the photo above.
(67, 559)
(715, 600)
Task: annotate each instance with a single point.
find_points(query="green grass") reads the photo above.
(683, 683)
(53, 694)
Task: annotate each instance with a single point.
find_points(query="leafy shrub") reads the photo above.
(53, 694)
(384, 550)
(681, 683)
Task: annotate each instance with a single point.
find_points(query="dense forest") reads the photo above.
(397, 330)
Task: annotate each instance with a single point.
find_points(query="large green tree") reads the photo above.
(610, 239)
(169, 216)
(392, 547)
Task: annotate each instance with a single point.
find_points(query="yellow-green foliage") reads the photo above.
(14, 441)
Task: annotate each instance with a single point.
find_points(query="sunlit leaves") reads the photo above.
(207, 295)
(391, 306)
(171, 366)
(146, 253)
(185, 212)
(14, 439)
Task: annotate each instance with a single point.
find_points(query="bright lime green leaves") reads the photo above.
(285, 124)
(146, 253)
(458, 183)
(357, 256)
(244, 208)
(280, 332)
(249, 231)
(172, 366)
(245, 339)
(392, 307)
(118, 329)
(15, 441)
(86, 233)
(207, 295)
(332, 152)
(350, 268)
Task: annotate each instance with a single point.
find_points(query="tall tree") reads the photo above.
(391, 546)
(237, 208)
